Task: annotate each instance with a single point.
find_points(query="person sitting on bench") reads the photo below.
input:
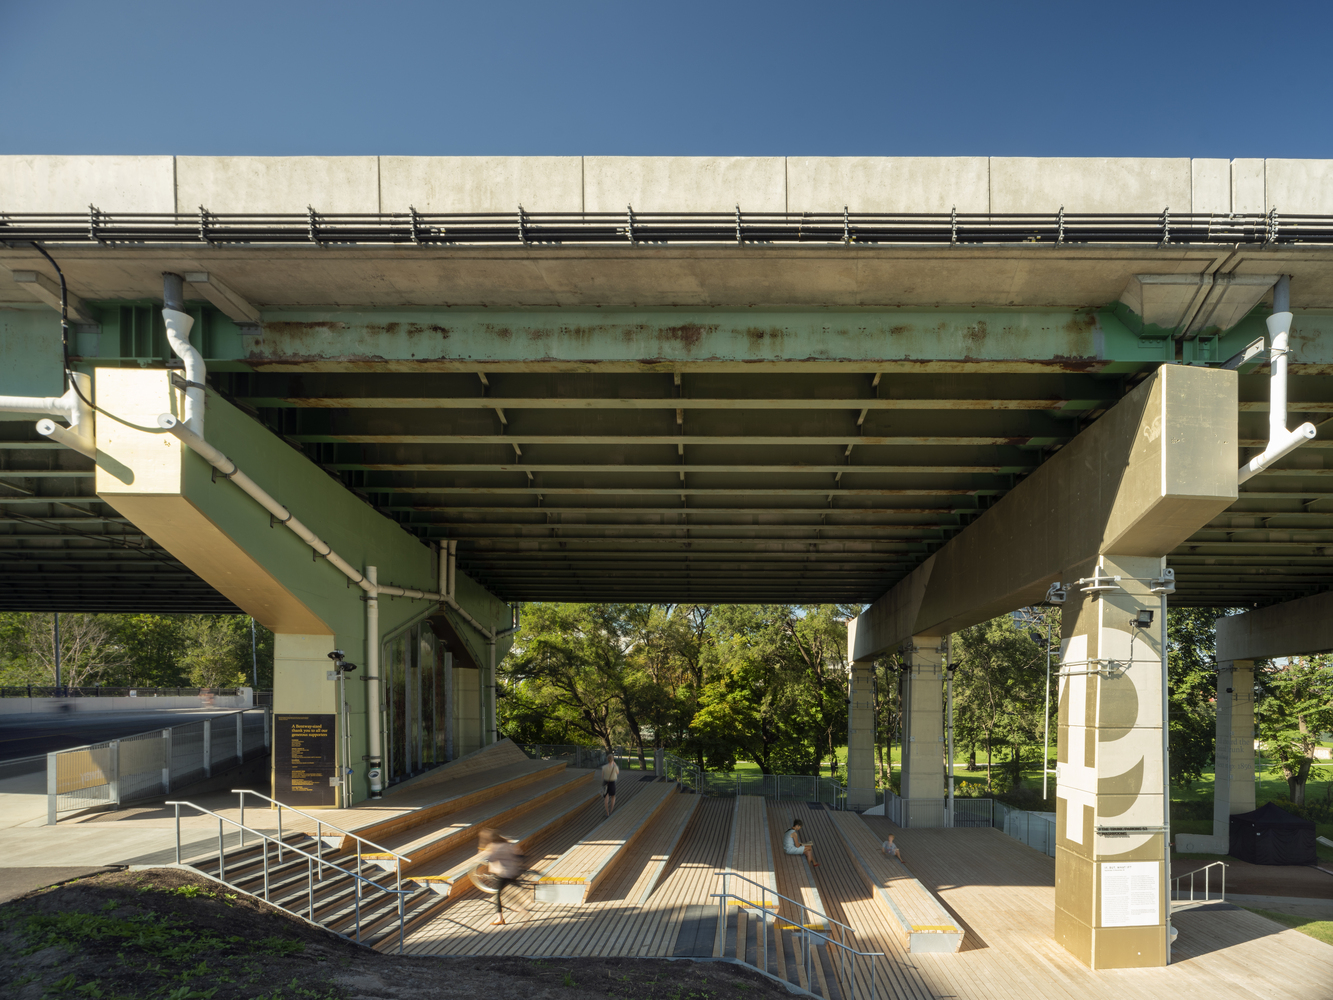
(791, 844)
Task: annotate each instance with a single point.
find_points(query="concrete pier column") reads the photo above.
(923, 781)
(1233, 787)
(861, 738)
(1111, 908)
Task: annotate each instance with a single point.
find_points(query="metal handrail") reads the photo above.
(846, 951)
(319, 832)
(311, 860)
(1207, 880)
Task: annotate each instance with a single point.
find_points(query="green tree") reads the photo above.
(216, 650)
(1191, 688)
(999, 697)
(1295, 707)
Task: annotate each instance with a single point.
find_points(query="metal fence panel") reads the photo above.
(149, 764)
(187, 752)
(972, 812)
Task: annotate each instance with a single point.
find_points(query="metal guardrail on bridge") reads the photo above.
(146, 765)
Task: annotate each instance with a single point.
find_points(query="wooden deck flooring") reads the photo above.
(998, 890)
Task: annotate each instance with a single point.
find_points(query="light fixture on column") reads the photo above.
(1144, 617)
(1057, 594)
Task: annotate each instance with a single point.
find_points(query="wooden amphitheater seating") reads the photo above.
(793, 871)
(750, 853)
(423, 844)
(447, 873)
(575, 873)
(485, 775)
(923, 923)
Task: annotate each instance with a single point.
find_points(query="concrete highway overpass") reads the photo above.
(932, 386)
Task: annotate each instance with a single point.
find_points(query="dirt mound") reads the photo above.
(167, 934)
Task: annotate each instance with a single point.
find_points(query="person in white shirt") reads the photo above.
(505, 861)
(610, 772)
(891, 849)
(791, 844)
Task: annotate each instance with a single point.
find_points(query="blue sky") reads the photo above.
(926, 78)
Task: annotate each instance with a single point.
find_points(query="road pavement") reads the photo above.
(29, 735)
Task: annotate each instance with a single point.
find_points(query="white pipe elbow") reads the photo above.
(179, 325)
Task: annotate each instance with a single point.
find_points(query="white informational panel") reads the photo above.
(1130, 892)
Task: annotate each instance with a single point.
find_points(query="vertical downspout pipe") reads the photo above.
(373, 680)
(491, 734)
(1280, 440)
(179, 323)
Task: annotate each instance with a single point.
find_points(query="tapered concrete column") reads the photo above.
(1111, 905)
(1233, 761)
(860, 738)
(923, 781)
(1233, 786)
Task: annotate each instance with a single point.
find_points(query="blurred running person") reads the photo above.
(504, 861)
(610, 772)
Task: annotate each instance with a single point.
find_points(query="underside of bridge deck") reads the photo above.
(758, 405)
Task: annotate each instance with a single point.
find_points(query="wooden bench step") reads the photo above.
(423, 845)
(578, 870)
(923, 923)
(447, 873)
(437, 801)
(793, 871)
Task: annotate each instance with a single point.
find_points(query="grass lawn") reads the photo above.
(1320, 930)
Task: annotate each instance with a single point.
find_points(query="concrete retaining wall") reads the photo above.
(654, 183)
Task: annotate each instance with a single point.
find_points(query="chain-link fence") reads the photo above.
(804, 787)
(148, 764)
(933, 813)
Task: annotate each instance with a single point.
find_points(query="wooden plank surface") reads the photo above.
(795, 877)
(379, 822)
(592, 859)
(909, 902)
(998, 890)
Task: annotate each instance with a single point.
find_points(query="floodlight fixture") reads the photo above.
(1144, 617)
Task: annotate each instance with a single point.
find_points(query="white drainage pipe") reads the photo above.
(179, 324)
(70, 407)
(367, 582)
(1280, 440)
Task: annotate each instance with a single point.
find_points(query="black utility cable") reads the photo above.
(64, 348)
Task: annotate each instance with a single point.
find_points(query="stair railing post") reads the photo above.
(166, 761)
(310, 885)
(52, 786)
(319, 847)
(242, 798)
(264, 845)
(115, 774)
(401, 918)
(178, 833)
(222, 855)
(357, 906)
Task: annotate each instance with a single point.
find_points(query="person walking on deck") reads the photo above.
(791, 844)
(610, 772)
(504, 861)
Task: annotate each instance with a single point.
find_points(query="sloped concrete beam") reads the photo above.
(1294, 628)
(1138, 482)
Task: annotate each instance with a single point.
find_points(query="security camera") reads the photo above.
(337, 654)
